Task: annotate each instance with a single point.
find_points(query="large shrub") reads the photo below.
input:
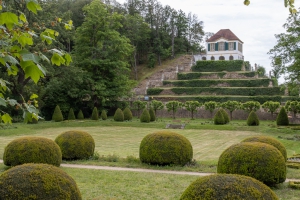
(228, 187)
(282, 118)
(57, 115)
(152, 115)
(165, 148)
(103, 115)
(268, 140)
(258, 160)
(252, 119)
(75, 145)
(71, 115)
(80, 115)
(32, 150)
(127, 114)
(95, 114)
(145, 117)
(119, 115)
(225, 115)
(219, 118)
(37, 181)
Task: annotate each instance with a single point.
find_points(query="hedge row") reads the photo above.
(215, 82)
(197, 75)
(218, 65)
(256, 91)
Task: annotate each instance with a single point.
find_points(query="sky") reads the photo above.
(256, 24)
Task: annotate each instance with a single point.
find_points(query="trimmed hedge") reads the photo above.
(57, 115)
(95, 114)
(225, 115)
(259, 160)
(214, 82)
(103, 115)
(119, 115)
(197, 75)
(127, 114)
(252, 119)
(218, 65)
(270, 141)
(71, 115)
(32, 150)
(165, 148)
(228, 186)
(282, 118)
(80, 115)
(219, 118)
(37, 181)
(154, 91)
(152, 115)
(145, 116)
(76, 145)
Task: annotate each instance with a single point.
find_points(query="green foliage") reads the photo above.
(219, 118)
(119, 115)
(152, 115)
(103, 115)
(37, 181)
(156, 105)
(271, 106)
(154, 91)
(211, 106)
(71, 115)
(255, 159)
(264, 82)
(165, 148)
(173, 106)
(95, 114)
(139, 105)
(293, 106)
(198, 75)
(252, 119)
(231, 106)
(218, 65)
(145, 117)
(250, 106)
(75, 145)
(270, 141)
(282, 118)
(192, 106)
(127, 114)
(228, 186)
(32, 150)
(57, 115)
(80, 115)
(225, 115)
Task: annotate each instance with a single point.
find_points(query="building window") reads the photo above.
(221, 58)
(231, 46)
(221, 46)
(203, 58)
(212, 58)
(212, 46)
(240, 47)
(230, 57)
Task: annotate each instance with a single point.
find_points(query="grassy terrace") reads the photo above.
(117, 144)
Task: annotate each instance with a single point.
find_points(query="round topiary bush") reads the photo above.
(152, 115)
(80, 115)
(127, 114)
(228, 186)
(225, 115)
(252, 119)
(71, 115)
(37, 181)
(165, 148)
(119, 115)
(219, 118)
(268, 140)
(32, 150)
(95, 114)
(75, 145)
(145, 117)
(282, 118)
(258, 160)
(57, 115)
(103, 115)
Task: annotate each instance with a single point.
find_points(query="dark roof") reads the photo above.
(224, 33)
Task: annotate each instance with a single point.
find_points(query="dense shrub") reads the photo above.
(252, 119)
(154, 91)
(80, 115)
(75, 145)
(219, 118)
(95, 114)
(127, 114)
(145, 116)
(282, 118)
(218, 65)
(71, 115)
(259, 160)
(119, 115)
(37, 181)
(32, 150)
(228, 186)
(165, 148)
(152, 115)
(197, 75)
(103, 115)
(225, 115)
(57, 115)
(270, 141)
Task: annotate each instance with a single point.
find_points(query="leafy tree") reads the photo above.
(139, 105)
(173, 106)
(71, 115)
(95, 114)
(261, 71)
(231, 106)
(293, 106)
(271, 106)
(156, 105)
(287, 3)
(250, 106)
(211, 106)
(192, 106)
(57, 115)
(103, 53)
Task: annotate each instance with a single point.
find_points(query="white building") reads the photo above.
(224, 45)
